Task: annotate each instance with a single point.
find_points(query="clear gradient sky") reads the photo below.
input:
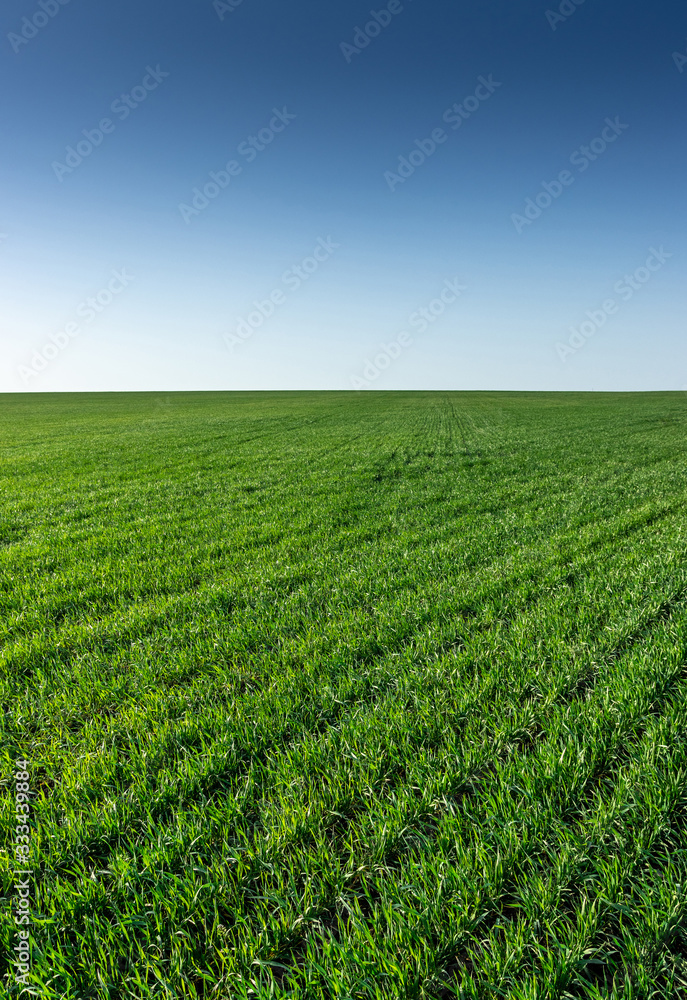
(558, 173)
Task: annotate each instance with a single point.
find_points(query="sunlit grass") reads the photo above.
(348, 695)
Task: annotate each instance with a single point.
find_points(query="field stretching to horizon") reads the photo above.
(362, 696)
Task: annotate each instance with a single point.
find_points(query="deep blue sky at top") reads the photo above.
(323, 177)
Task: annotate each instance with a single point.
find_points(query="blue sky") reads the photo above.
(543, 148)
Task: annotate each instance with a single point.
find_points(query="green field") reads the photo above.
(337, 695)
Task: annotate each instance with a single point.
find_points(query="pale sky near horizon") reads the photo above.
(252, 195)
